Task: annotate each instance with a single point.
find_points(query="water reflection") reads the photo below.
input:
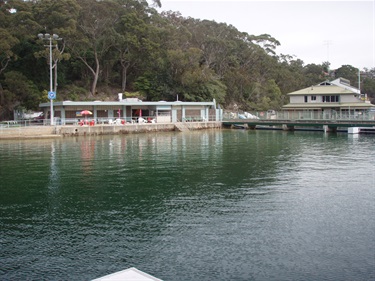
(87, 147)
(223, 205)
(54, 174)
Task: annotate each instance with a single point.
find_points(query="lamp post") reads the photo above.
(51, 93)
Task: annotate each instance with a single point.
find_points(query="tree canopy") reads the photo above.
(126, 46)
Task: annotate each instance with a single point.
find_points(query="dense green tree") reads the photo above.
(7, 43)
(134, 42)
(348, 72)
(21, 91)
(194, 81)
(56, 17)
(126, 45)
(266, 41)
(315, 74)
(16, 22)
(368, 83)
(95, 35)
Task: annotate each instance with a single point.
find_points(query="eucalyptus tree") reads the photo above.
(314, 74)
(348, 72)
(250, 74)
(290, 74)
(241, 76)
(368, 83)
(95, 35)
(6, 55)
(134, 44)
(192, 80)
(244, 63)
(16, 28)
(21, 24)
(56, 17)
(8, 41)
(156, 3)
(266, 41)
(167, 33)
(187, 75)
(22, 91)
(177, 32)
(217, 42)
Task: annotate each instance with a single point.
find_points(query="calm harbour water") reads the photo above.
(207, 205)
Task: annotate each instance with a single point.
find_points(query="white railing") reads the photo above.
(302, 115)
(23, 123)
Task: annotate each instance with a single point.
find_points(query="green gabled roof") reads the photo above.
(323, 90)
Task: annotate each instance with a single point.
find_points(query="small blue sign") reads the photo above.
(52, 95)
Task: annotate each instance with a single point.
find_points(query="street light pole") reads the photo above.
(50, 78)
(51, 93)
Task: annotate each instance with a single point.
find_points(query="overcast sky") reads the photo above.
(341, 32)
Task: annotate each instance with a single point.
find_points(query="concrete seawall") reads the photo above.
(28, 132)
(72, 130)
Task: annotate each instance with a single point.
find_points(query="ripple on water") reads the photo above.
(220, 205)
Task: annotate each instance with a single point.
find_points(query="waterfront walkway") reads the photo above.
(19, 130)
(325, 125)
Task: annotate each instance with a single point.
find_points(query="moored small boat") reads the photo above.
(130, 274)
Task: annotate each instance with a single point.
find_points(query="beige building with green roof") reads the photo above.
(329, 98)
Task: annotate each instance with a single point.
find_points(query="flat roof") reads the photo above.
(128, 103)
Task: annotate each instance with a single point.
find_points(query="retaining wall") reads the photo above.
(28, 132)
(65, 131)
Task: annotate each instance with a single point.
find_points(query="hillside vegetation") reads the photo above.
(126, 46)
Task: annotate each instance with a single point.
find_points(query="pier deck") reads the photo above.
(325, 125)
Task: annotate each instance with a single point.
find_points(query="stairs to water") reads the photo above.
(182, 127)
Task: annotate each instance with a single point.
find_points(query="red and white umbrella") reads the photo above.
(86, 112)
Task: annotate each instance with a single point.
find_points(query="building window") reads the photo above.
(313, 98)
(330, 98)
(306, 98)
